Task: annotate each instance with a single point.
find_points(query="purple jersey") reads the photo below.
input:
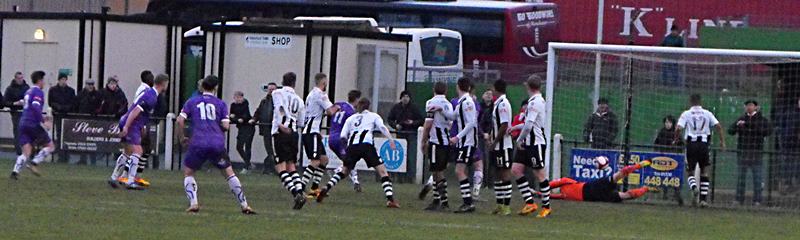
(146, 101)
(337, 122)
(206, 113)
(32, 109)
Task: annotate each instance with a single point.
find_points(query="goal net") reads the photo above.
(641, 87)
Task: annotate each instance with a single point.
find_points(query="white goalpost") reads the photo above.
(644, 86)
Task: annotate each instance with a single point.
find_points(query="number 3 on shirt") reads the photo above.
(207, 111)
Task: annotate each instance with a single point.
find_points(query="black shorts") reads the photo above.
(285, 147)
(465, 155)
(697, 152)
(532, 156)
(502, 158)
(312, 145)
(360, 151)
(601, 190)
(439, 155)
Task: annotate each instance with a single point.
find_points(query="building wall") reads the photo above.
(21, 52)
(131, 48)
(120, 7)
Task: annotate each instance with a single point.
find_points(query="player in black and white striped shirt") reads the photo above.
(357, 132)
(697, 123)
(531, 145)
(436, 143)
(318, 106)
(466, 118)
(286, 121)
(500, 148)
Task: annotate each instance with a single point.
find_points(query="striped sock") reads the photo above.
(704, 183)
(318, 174)
(442, 187)
(544, 188)
(525, 190)
(436, 197)
(692, 182)
(143, 162)
(387, 188)
(506, 188)
(299, 187)
(466, 191)
(498, 194)
(334, 180)
(286, 179)
(308, 174)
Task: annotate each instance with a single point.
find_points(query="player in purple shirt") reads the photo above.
(130, 126)
(32, 128)
(209, 118)
(335, 143)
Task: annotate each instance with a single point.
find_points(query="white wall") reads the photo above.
(21, 53)
(131, 48)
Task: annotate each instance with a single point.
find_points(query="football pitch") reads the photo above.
(74, 202)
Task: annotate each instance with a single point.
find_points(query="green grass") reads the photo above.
(74, 202)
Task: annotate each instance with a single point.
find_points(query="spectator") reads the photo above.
(666, 136)
(113, 100)
(263, 116)
(752, 128)
(89, 103)
(790, 145)
(13, 99)
(240, 115)
(61, 99)
(405, 117)
(670, 72)
(601, 127)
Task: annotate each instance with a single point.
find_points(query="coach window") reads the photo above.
(484, 36)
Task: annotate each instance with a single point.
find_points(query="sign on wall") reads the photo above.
(86, 135)
(394, 160)
(666, 169)
(268, 41)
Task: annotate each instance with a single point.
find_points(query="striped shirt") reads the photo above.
(535, 114)
(501, 114)
(317, 103)
(288, 109)
(466, 121)
(442, 120)
(697, 123)
(359, 127)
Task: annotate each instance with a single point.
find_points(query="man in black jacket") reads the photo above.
(89, 103)
(405, 117)
(240, 115)
(752, 128)
(13, 99)
(263, 117)
(601, 127)
(114, 101)
(61, 99)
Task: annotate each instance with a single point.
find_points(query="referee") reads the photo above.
(698, 122)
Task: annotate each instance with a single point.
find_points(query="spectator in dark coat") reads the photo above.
(601, 127)
(13, 99)
(240, 115)
(666, 136)
(752, 128)
(88, 103)
(61, 99)
(263, 117)
(89, 98)
(405, 116)
(113, 99)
